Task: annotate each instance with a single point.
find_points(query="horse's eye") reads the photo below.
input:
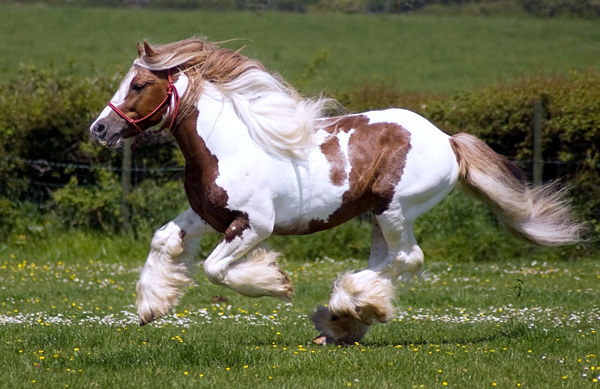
(137, 87)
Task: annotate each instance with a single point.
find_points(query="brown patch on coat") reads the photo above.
(206, 198)
(377, 153)
(337, 160)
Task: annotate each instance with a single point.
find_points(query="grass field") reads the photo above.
(67, 320)
(424, 53)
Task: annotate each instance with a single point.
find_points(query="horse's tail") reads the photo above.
(538, 215)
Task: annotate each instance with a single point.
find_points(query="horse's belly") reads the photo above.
(309, 210)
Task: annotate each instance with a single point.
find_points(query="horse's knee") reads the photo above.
(215, 272)
(168, 240)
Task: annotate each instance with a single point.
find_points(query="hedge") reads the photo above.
(45, 116)
(45, 145)
(502, 115)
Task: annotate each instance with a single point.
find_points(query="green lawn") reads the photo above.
(67, 319)
(425, 53)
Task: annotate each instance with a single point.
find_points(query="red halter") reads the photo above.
(171, 92)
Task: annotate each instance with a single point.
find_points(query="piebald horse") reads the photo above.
(261, 161)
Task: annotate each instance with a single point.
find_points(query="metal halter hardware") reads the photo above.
(171, 92)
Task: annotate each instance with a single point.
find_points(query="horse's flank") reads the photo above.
(278, 119)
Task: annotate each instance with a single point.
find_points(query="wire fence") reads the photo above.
(38, 191)
(65, 165)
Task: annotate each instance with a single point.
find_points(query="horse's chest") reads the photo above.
(207, 199)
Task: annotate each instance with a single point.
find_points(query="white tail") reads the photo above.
(538, 215)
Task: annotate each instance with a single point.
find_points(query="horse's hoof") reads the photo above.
(288, 290)
(143, 321)
(321, 340)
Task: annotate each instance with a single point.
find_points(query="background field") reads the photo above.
(417, 52)
(490, 312)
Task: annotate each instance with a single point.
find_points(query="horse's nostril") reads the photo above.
(98, 128)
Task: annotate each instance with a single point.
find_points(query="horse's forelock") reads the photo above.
(198, 58)
(176, 54)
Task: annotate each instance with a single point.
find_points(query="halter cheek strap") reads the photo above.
(171, 93)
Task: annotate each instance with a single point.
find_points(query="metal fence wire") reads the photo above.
(38, 191)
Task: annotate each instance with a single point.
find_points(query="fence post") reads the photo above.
(126, 186)
(538, 160)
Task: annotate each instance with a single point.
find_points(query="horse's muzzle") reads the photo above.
(100, 135)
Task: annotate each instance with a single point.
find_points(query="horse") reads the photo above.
(261, 160)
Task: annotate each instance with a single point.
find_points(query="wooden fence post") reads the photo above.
(126, 187)
(538, 159)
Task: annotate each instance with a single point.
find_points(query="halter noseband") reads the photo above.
(171, 92)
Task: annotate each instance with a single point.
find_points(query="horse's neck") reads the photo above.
(216, 129)
(219, 125)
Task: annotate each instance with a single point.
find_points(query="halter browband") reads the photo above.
(171, 92)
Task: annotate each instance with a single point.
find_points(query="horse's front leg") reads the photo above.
(166, 272)
(257, 274)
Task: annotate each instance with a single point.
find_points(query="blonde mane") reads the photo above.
(280, 121)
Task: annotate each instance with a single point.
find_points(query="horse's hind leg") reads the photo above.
(358, 299)
(166, 272)
(361, 298)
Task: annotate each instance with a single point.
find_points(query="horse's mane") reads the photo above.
(280, 121)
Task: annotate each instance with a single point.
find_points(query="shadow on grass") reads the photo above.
(460, 334)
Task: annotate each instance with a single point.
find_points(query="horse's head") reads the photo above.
(144, 100)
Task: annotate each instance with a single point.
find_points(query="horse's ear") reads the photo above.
(140, 50)
(149, 51)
